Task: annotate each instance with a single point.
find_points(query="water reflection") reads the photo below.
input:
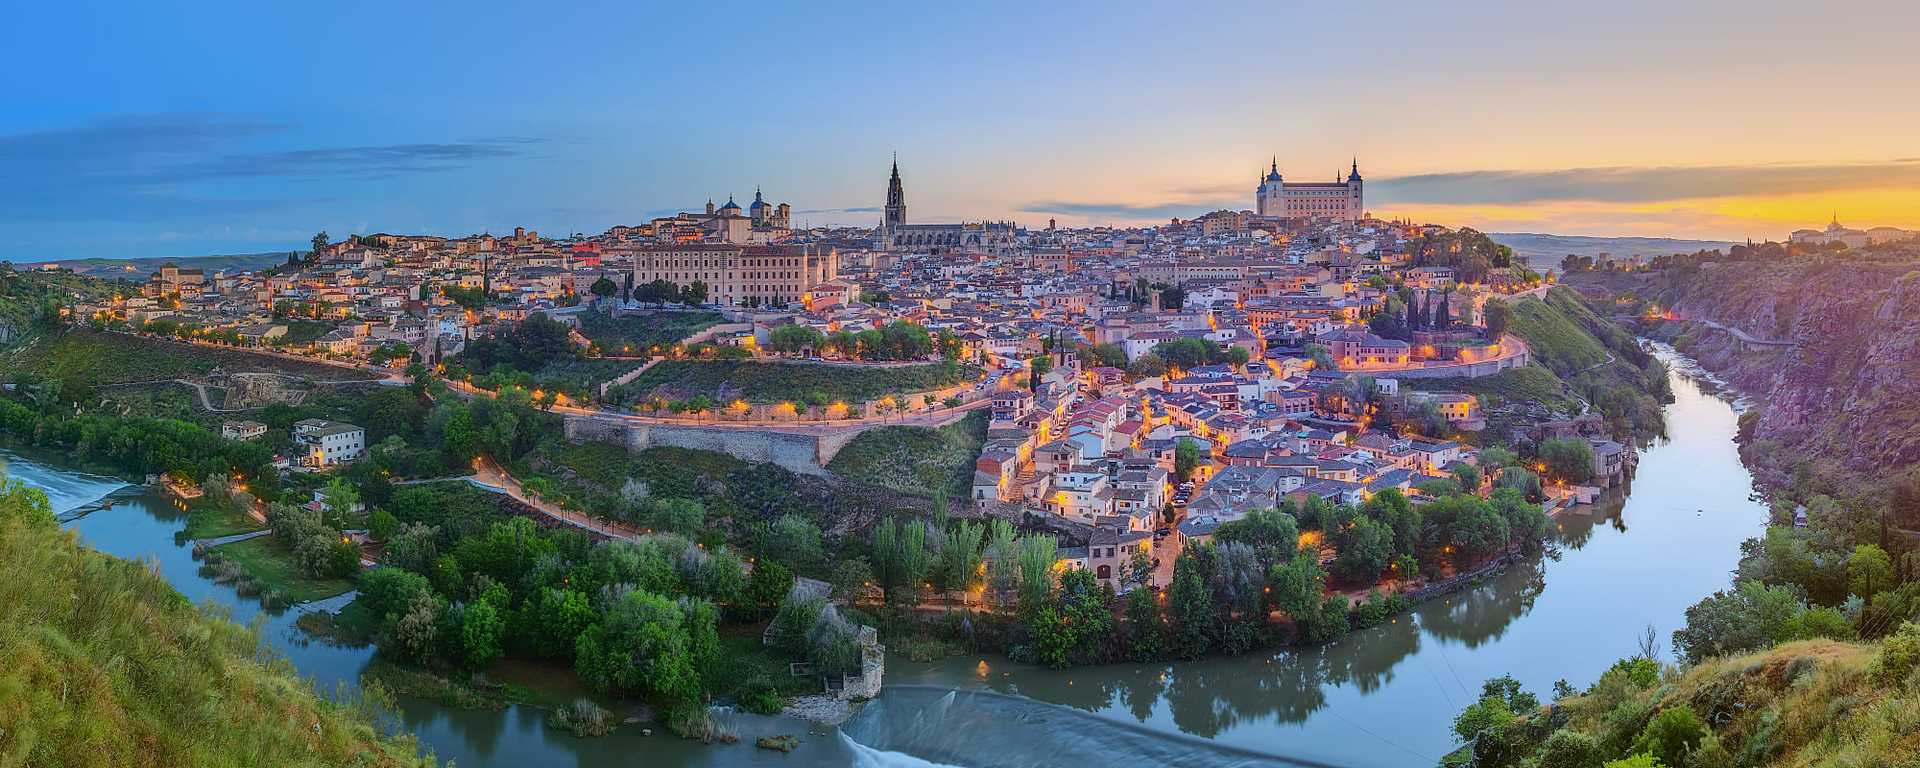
(1387, 696)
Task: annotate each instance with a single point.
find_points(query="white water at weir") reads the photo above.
(66, 489)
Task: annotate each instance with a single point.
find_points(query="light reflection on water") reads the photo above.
(1384, 696)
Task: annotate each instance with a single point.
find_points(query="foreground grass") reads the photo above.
(1801, 704)
(102, 663)
(271, 565)
(916, 459)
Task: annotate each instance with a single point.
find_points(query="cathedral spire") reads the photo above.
(896, 210)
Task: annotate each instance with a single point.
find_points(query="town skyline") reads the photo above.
(1633, 121)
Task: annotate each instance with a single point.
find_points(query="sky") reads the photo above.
(143, 129)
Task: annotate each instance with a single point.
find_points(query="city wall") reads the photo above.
(797, 452)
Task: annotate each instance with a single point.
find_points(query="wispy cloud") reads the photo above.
(1641, 184)
(856, 209)
(148, 167)
(1134, 212)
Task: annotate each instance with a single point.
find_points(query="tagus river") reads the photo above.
(1383, 697)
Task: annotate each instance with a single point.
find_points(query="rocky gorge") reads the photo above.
(1828, 345)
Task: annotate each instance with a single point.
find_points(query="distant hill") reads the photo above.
(1543, 250)
(140, 268)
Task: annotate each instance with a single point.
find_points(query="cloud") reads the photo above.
(1640, 184)
(1131, 211)
(147, 167)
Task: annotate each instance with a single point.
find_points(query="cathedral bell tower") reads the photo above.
(896, 214)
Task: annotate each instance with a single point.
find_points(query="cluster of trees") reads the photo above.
(1254, 586)
(464, 588)
(1408, 311)
(1471, 254)
(900, 340)
(1845, 575)
(313, 535)
(664, 291)
(1185, 353)
(528, 346)
(1141, 292)
(38, 413)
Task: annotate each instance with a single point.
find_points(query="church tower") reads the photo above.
(896, 199)
(1269, 199)
(1356, 200)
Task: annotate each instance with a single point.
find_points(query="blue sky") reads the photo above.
(137, 130)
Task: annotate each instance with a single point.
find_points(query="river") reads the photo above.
(1382, 697)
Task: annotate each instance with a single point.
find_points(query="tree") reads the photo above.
(960, 563)
(1186, 458)
(1298, 586)
(1191, 606)
(1526, 522)
(319, 242)
(642, 647)
(695, 293)
(1568, 459)
(1146, 630)
(767, 586)
(1486, 725)
(603, 288)
(1273, 534)
(900, 558)
(1188, 352)
(559, 617)
(382, 525)
(793, 540)
(1748, 617)
(1365, 546)
(1147, 366)
(481, 629)
(1499, 316)
(1035, 558)
(1391, 508)
(793, 339)
(1869, 570)
(1037, 369)
(339, 499)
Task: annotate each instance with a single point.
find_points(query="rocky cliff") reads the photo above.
(1846, 394)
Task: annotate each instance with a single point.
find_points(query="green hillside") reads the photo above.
(1808, 703)
(105, 664)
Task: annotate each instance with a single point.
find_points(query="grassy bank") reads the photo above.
(762, 382)
(916, 459)
(105, 664)
(211, 520)
(1601, 362)
(272, 568)
(1816, 702)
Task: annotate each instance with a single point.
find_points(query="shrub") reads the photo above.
(582, 718)
(1569, 749)
(1899, 654)
(1671, 735)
